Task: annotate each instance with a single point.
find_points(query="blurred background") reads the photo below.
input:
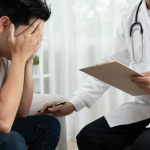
(76, 36)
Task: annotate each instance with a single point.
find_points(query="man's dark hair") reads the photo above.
(20, 11)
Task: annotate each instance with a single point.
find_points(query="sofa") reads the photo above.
(38, 102)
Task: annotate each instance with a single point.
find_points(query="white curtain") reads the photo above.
(80, 31)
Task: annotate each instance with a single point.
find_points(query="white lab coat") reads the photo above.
(121, 50)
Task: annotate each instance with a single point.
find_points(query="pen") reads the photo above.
(62, 103)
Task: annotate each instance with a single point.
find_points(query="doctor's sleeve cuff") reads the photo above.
(78, 103)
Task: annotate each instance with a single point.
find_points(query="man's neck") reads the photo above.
(148, 4)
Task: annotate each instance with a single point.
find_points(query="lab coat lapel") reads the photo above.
(145, 13)
(146, 28)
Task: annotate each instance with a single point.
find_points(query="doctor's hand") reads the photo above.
(57, 111)
(142, 82)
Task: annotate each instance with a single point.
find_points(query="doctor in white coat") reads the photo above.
(126, 124)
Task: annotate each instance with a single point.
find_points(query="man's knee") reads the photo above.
(13, 140)
(51, 124)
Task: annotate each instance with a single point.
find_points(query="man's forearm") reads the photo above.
(10, 94)
(27, 95)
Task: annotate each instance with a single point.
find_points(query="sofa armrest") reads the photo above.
(38, 102)
(40, 99)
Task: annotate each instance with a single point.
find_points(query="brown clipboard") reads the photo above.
(117, 75)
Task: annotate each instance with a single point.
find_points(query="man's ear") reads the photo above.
(4, 23)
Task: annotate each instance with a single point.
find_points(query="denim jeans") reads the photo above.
(39, 132)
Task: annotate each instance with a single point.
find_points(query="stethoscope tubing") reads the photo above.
(141, 32)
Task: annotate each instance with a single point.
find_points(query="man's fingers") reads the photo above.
(47, 105)
(38, 113)
(44, 107)
(143, 85)
(31, 29)
(145, 89)
(146, 73)
(143, 73)
(39, 43)
(139, 79)
(11, 33)
(54, 109)
(41, 113)
(39, 30)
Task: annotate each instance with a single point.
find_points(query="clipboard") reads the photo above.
(116, 75)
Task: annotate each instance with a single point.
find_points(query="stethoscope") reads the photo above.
(141, 32)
